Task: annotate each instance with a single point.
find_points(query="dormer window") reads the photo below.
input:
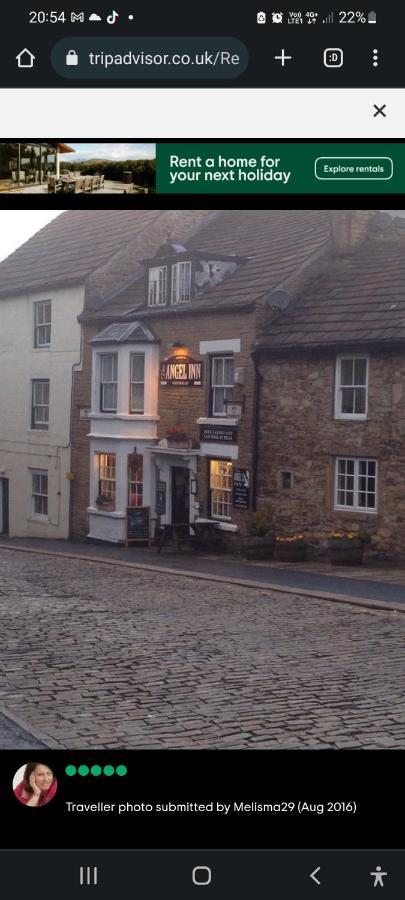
(157, 290)
(181, 282)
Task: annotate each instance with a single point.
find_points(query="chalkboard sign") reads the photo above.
(138, 524)
(161, 498)
(241, 488)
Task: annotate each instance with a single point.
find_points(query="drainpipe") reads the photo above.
(57, 162)
(258, 378)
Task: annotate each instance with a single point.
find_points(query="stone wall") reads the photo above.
(298, 433)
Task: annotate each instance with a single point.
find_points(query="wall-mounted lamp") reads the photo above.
(178, 349)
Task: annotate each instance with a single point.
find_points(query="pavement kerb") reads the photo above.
(221, 579)
(46, 739)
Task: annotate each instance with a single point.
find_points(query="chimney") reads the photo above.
(350, 228)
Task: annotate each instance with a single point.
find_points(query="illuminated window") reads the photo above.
(221, 488)
(107, 475)
(135, 481)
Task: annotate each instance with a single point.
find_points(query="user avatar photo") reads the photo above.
(34, 784)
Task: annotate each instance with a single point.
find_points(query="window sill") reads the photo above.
(217, 420)
(227, 526)
(363, 513)
(112, 513)
(45, 347)
(43, 520)
(342, 418)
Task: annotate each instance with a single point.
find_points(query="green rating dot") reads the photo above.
(70, 770)
(121, 770)
(96, 770)
(83, 770)
(108, 770)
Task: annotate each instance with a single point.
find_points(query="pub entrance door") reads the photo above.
(180, 495)
(3, 505)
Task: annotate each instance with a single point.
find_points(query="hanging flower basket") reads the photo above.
(104, 503)
(290, 548)
(346, 548)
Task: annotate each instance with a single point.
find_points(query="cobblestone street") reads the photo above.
(100, 656)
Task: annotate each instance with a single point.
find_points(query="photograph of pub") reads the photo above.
(225, 387)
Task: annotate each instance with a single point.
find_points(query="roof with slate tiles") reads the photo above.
(275, 245)
(360, 300)
(70, 247)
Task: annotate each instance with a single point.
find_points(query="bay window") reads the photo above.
(108, 382)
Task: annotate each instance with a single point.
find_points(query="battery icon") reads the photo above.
(372, 18)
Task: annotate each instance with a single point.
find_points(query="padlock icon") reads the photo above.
(72, 58)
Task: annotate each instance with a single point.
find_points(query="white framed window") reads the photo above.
(356, 484)
(181, 282)
(107, 475)
(108, 382)
(137, 398)
(351, 387)
(221, 473)
(157, 286)
(42, 323)
(40, 404)
(135, 481)
(222, 381)
(39, 491)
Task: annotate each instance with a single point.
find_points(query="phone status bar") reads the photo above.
(313, 17)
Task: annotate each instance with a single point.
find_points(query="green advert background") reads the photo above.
(297, 158)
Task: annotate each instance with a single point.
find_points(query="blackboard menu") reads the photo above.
(161, 497)
(241, 488)
(138, 524)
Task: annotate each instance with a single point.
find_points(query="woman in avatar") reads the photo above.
(38, 785)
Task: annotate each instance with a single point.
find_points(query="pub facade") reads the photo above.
(172, 424)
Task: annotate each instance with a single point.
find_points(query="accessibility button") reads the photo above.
(354, 168)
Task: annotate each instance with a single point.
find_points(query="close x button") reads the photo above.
(380, 110)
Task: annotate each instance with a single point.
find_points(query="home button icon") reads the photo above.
(201, 876)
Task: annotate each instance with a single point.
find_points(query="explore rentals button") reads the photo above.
(354, 168)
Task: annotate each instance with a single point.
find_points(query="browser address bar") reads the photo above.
(150, 57)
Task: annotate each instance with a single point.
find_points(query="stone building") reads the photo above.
(332, 413)
(172, 350)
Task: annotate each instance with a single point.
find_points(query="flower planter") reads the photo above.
(177, 445)
(255, 547)
(105, 507)
(290, 551)
(346, 552)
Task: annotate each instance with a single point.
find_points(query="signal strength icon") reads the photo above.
(328, 20)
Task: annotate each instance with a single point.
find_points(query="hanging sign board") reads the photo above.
(138, 524)
(181, 370)
(241, 488)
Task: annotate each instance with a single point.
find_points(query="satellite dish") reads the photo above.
(278, 300)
